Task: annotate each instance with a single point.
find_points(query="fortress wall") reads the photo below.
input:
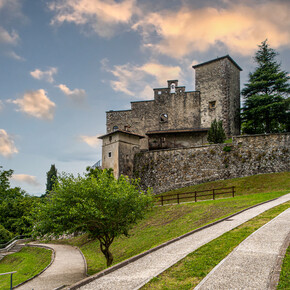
(165, 170)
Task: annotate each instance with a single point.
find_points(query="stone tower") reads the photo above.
(218, 82)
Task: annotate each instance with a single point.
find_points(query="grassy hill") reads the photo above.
(167, 222)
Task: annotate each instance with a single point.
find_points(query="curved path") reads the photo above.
(137, 272)
(67, 268)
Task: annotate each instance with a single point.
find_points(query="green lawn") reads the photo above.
(284, 282)
(28, 262)
(188, 272)
(168, 222)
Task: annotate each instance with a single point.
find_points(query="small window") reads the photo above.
(172, 88)
(212, 105)
(115, 128)
(159, 92)
(110, 154)
(110, 138)
(163, 118)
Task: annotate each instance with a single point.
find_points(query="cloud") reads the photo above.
(92, 141)
(133, 80)
(102, 16)
(44, 75)
(15, 56)
(7, 147)
(8, 37)
(77, 95)
(239, 27)
(36, 104)
(25, 178)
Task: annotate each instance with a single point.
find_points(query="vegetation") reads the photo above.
(267, 103)
(28, 262)
(51, 178)
(97, 204)
(216, 133)
(188, 272)
(284, 282)
(168, 222)
(15, 208)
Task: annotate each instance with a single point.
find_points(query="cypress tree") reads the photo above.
(266, 105)
(51, 178)
(216, 133)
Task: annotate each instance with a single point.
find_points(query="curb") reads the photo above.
(85, 261)
(52, 260)
(133, 259)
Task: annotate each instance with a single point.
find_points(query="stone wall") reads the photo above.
(164, 170)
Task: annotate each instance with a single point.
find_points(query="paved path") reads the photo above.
(251, 264)
(138, 273)
(67, 268)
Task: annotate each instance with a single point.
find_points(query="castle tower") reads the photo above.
(218, 82)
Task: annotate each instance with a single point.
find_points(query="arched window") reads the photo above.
(115, 128)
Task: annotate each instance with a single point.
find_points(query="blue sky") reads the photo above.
(63, 63)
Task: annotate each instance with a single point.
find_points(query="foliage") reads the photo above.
(104, 207)
(28, 262)
(15, 206)
(216, 133)
(267, 103)
(284, 281)
(5, 235)
(51, 178)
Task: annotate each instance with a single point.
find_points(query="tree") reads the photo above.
(51, 178)
(104, 207)
(216, 133)
(266, 106)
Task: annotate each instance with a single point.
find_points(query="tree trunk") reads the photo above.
(105, 245)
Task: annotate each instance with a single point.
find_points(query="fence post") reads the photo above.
(213, 196)
(161, 199)
(195, 196)
(233, 191)
(178, 198)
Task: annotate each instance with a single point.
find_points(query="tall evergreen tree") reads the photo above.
(216, 133)
(51, 178)
(267, 103)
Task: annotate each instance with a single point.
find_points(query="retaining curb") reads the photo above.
(133, 259)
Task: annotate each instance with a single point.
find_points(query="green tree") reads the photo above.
(104, 207)
(216, 133)
(266, 106)
(51, 178)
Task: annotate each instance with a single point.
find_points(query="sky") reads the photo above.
(64, 63)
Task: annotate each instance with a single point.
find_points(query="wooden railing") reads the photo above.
(194, 196)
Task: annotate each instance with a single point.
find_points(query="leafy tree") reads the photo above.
(104, 207)
(267, 103)
(51, 178)
(216, 133)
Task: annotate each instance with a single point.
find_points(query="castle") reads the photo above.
(175, 118)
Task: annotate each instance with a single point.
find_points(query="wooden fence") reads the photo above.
(195, 195)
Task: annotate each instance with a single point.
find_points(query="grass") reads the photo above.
(28, 262)
(284, 282)
(188, 272)
(168, 222)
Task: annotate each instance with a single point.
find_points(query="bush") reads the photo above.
(216, 133)
(5, 235)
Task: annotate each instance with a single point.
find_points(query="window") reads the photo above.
(115, 128)
(110, 138)
(163, 118)
(110, 154)
(212, 105)
(172, 89)
(159, 92)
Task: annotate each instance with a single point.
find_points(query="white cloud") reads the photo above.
(44, 75)
(77, 95)
(139, 81)
(25, 178)
(7, 147)
(239, 27)
(92, 141)
(8, 37)
(102, 16)
(15, 56)
(36, 104)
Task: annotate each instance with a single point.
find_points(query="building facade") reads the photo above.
(175, 118)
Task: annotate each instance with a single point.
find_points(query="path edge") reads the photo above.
(52, 260)
(134, 258)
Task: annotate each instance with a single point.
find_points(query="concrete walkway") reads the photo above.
(137, 273)
(67, 268)
(251, 264)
